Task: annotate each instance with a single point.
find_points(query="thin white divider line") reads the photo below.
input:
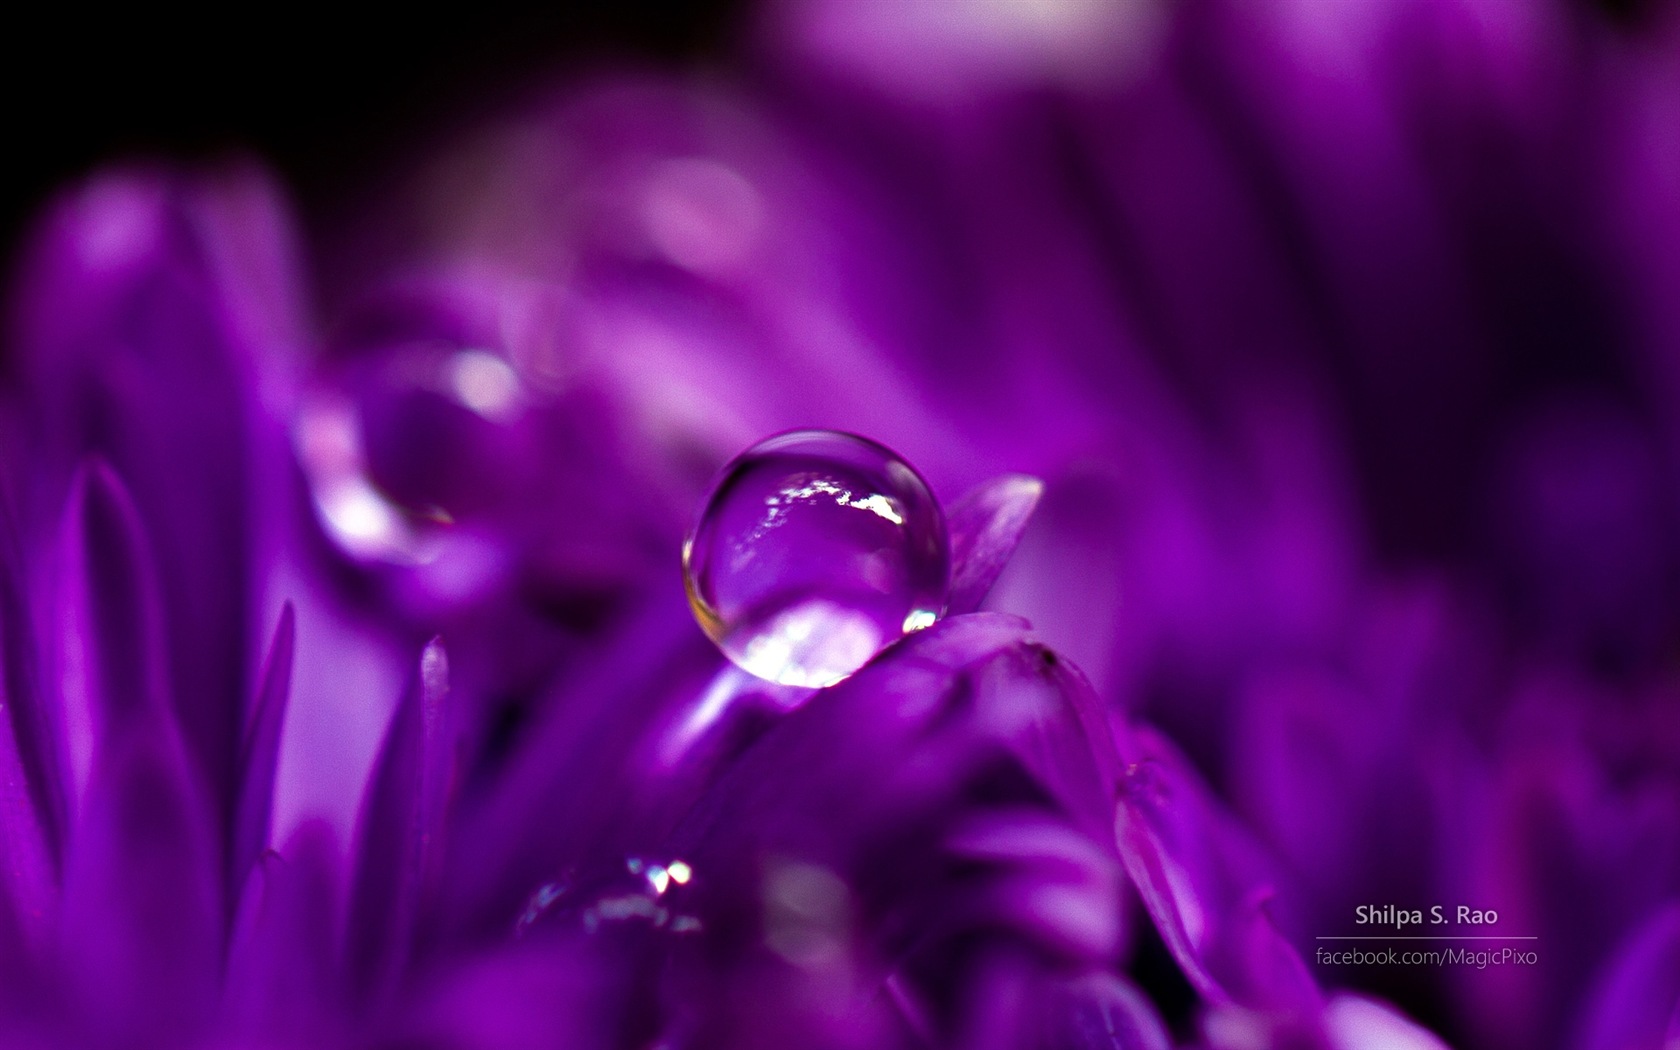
(1463, 937)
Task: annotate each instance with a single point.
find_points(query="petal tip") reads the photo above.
(986, 526)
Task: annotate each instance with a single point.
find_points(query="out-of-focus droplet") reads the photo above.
(816, 550)
(702, 214)
(401, 446)
(807, 914)
(638, 892)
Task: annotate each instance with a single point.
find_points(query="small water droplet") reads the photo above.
(637, 892)
(815, 551)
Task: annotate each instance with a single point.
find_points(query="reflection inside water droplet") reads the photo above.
(814, 551)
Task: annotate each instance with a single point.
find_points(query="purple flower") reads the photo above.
(1297, 390)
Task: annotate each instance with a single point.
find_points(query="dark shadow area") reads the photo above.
(320, 97)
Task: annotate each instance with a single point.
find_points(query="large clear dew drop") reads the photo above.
(814, 551)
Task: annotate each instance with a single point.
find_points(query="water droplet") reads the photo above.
(637, 892)
(403, 441)
(413, 452)
(702, 214)
(807, 914)
(815, 551)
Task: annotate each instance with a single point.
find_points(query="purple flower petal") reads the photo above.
(1205, 886)
(1054, 883)
(947, 796)
(1355, 1022)
(592, 778)
(570, 996)
(281, 972)
(112, 660)
(31, 808)
(985, 526)
(1637, 1000)
(395, 835)
(1103, 1012)
(142, 912)
(31, 791)
(145, 311)
(1570, 838)
(805, 757)
(142, 892)
(1055, 726)
(260, 756)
